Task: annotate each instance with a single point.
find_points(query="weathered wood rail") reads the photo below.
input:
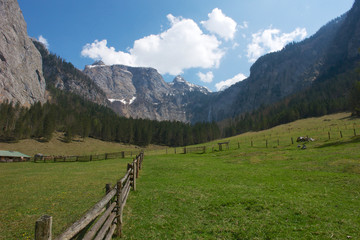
(104, 218)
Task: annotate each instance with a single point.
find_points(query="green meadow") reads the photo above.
(253, 190)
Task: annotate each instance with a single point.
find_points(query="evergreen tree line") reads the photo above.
(331, 93)
(74, 115)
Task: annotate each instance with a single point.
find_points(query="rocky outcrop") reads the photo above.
(180, 85)
(142, 92)
(64, 76)
(21, 76)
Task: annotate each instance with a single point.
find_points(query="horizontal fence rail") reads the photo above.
(194, 149)
(104, 218)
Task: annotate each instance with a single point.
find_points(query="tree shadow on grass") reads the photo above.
(340, 143)
(351, 117)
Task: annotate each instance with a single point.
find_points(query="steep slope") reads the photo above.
(332, 50)
(142, 92)
(64, 76)
(21, 77)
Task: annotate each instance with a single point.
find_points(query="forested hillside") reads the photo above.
(337, 90)
(64, 76)
(75, 115)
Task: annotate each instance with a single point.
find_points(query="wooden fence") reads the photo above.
(104, 218)
(194, 149)
(84, 158)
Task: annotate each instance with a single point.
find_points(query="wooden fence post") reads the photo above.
(137, 166)
(292, 140)
(354, 132)
(184, 150)
(175, 150)
(131, 166)
(266, 143)
(134, 175)
(43, 228)
(123, 154)
(329, 135)
(341, 134)
(106, 156)
(118, 209)
(141, 159)
(252, 143)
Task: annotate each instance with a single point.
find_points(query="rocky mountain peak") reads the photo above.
(179, 79)
(98, 63)
(180, 84)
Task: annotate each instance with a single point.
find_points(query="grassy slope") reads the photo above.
(57, 147)
(279, 192)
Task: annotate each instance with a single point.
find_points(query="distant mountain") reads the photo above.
(142, 92)
(323, 63)
(332, 50)
(64, 76)
(21, 76)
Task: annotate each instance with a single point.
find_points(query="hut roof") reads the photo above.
(12, 154)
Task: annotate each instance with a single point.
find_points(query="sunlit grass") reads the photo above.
(62, 190)
(258, 192)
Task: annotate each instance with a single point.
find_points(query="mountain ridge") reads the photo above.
(277, 75)
(141, 92)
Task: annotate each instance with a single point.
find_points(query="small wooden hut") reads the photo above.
(13, 156)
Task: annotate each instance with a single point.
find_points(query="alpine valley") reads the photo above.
(325, 62)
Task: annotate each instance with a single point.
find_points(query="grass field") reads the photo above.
(62, 190)
(251, 192)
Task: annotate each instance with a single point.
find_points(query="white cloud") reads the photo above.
(180, 47)
(227, 83)
(207, 77)
(235, 45)
(98, 50)
(271, 40)
(44, 41)
(220, 24)
(245, 25)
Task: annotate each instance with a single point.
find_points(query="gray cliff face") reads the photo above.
(21, 76)
(116, 82)
(142, 92)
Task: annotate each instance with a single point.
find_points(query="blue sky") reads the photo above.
(212, 43)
